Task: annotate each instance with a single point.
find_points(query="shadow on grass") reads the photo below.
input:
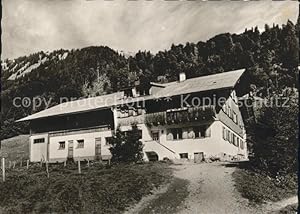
(171, 201)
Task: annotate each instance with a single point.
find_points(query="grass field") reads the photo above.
(258, 187)
(98, 189)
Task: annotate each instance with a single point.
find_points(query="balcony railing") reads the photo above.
(178, 116)
(128, 121)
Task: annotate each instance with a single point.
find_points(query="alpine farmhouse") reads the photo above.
(174, 124)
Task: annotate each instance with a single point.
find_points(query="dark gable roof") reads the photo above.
(204, 83)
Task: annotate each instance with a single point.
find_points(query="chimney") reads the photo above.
(182, 77)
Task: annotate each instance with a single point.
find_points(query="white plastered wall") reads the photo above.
(210, 146)
(87, 152)
(38, 151)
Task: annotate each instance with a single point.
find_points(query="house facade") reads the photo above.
(193, 118)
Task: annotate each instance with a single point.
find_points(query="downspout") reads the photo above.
(48, 144)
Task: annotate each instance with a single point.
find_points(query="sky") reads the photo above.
(29, 26)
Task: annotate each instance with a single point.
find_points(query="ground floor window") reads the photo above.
(62, 145)
(184, 155)
(80, 144)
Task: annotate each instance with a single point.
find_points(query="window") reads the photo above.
(228, 111)
(234, 140)
(80, 144)
(228, 135)
(201, 131)
(241, 144)
(235, 117)
(184, 155)
(62, 145)
(177, 133)
(107, 140)
(155, 135)
(197, 132)
(224, 134)
(39, 140)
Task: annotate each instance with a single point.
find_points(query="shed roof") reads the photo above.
(204, 83)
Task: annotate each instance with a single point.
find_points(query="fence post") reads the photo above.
(21, 163)
(47, 169)
(3, 169)
(27, 164)
(88, 163)
(65, 163)
(14, 164)
(79, 167)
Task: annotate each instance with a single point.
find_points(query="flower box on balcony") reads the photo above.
(155, 119)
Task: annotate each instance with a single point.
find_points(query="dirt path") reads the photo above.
(210, 190)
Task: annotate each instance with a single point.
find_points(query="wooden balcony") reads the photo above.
(128, 121)
(177, 116)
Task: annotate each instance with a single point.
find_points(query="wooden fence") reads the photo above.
(7, 165)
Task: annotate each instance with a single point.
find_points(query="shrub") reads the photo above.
(127, 147)
(276, 139)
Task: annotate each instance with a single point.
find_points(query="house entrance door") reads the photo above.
(70, 149)
(98, 148)
(198, 157)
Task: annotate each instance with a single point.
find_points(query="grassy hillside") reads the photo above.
(15, 148)
(99, 189)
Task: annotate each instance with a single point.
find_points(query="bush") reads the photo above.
(126, 146)
(276, 139)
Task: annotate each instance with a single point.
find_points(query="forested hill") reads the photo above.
(271, 57)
